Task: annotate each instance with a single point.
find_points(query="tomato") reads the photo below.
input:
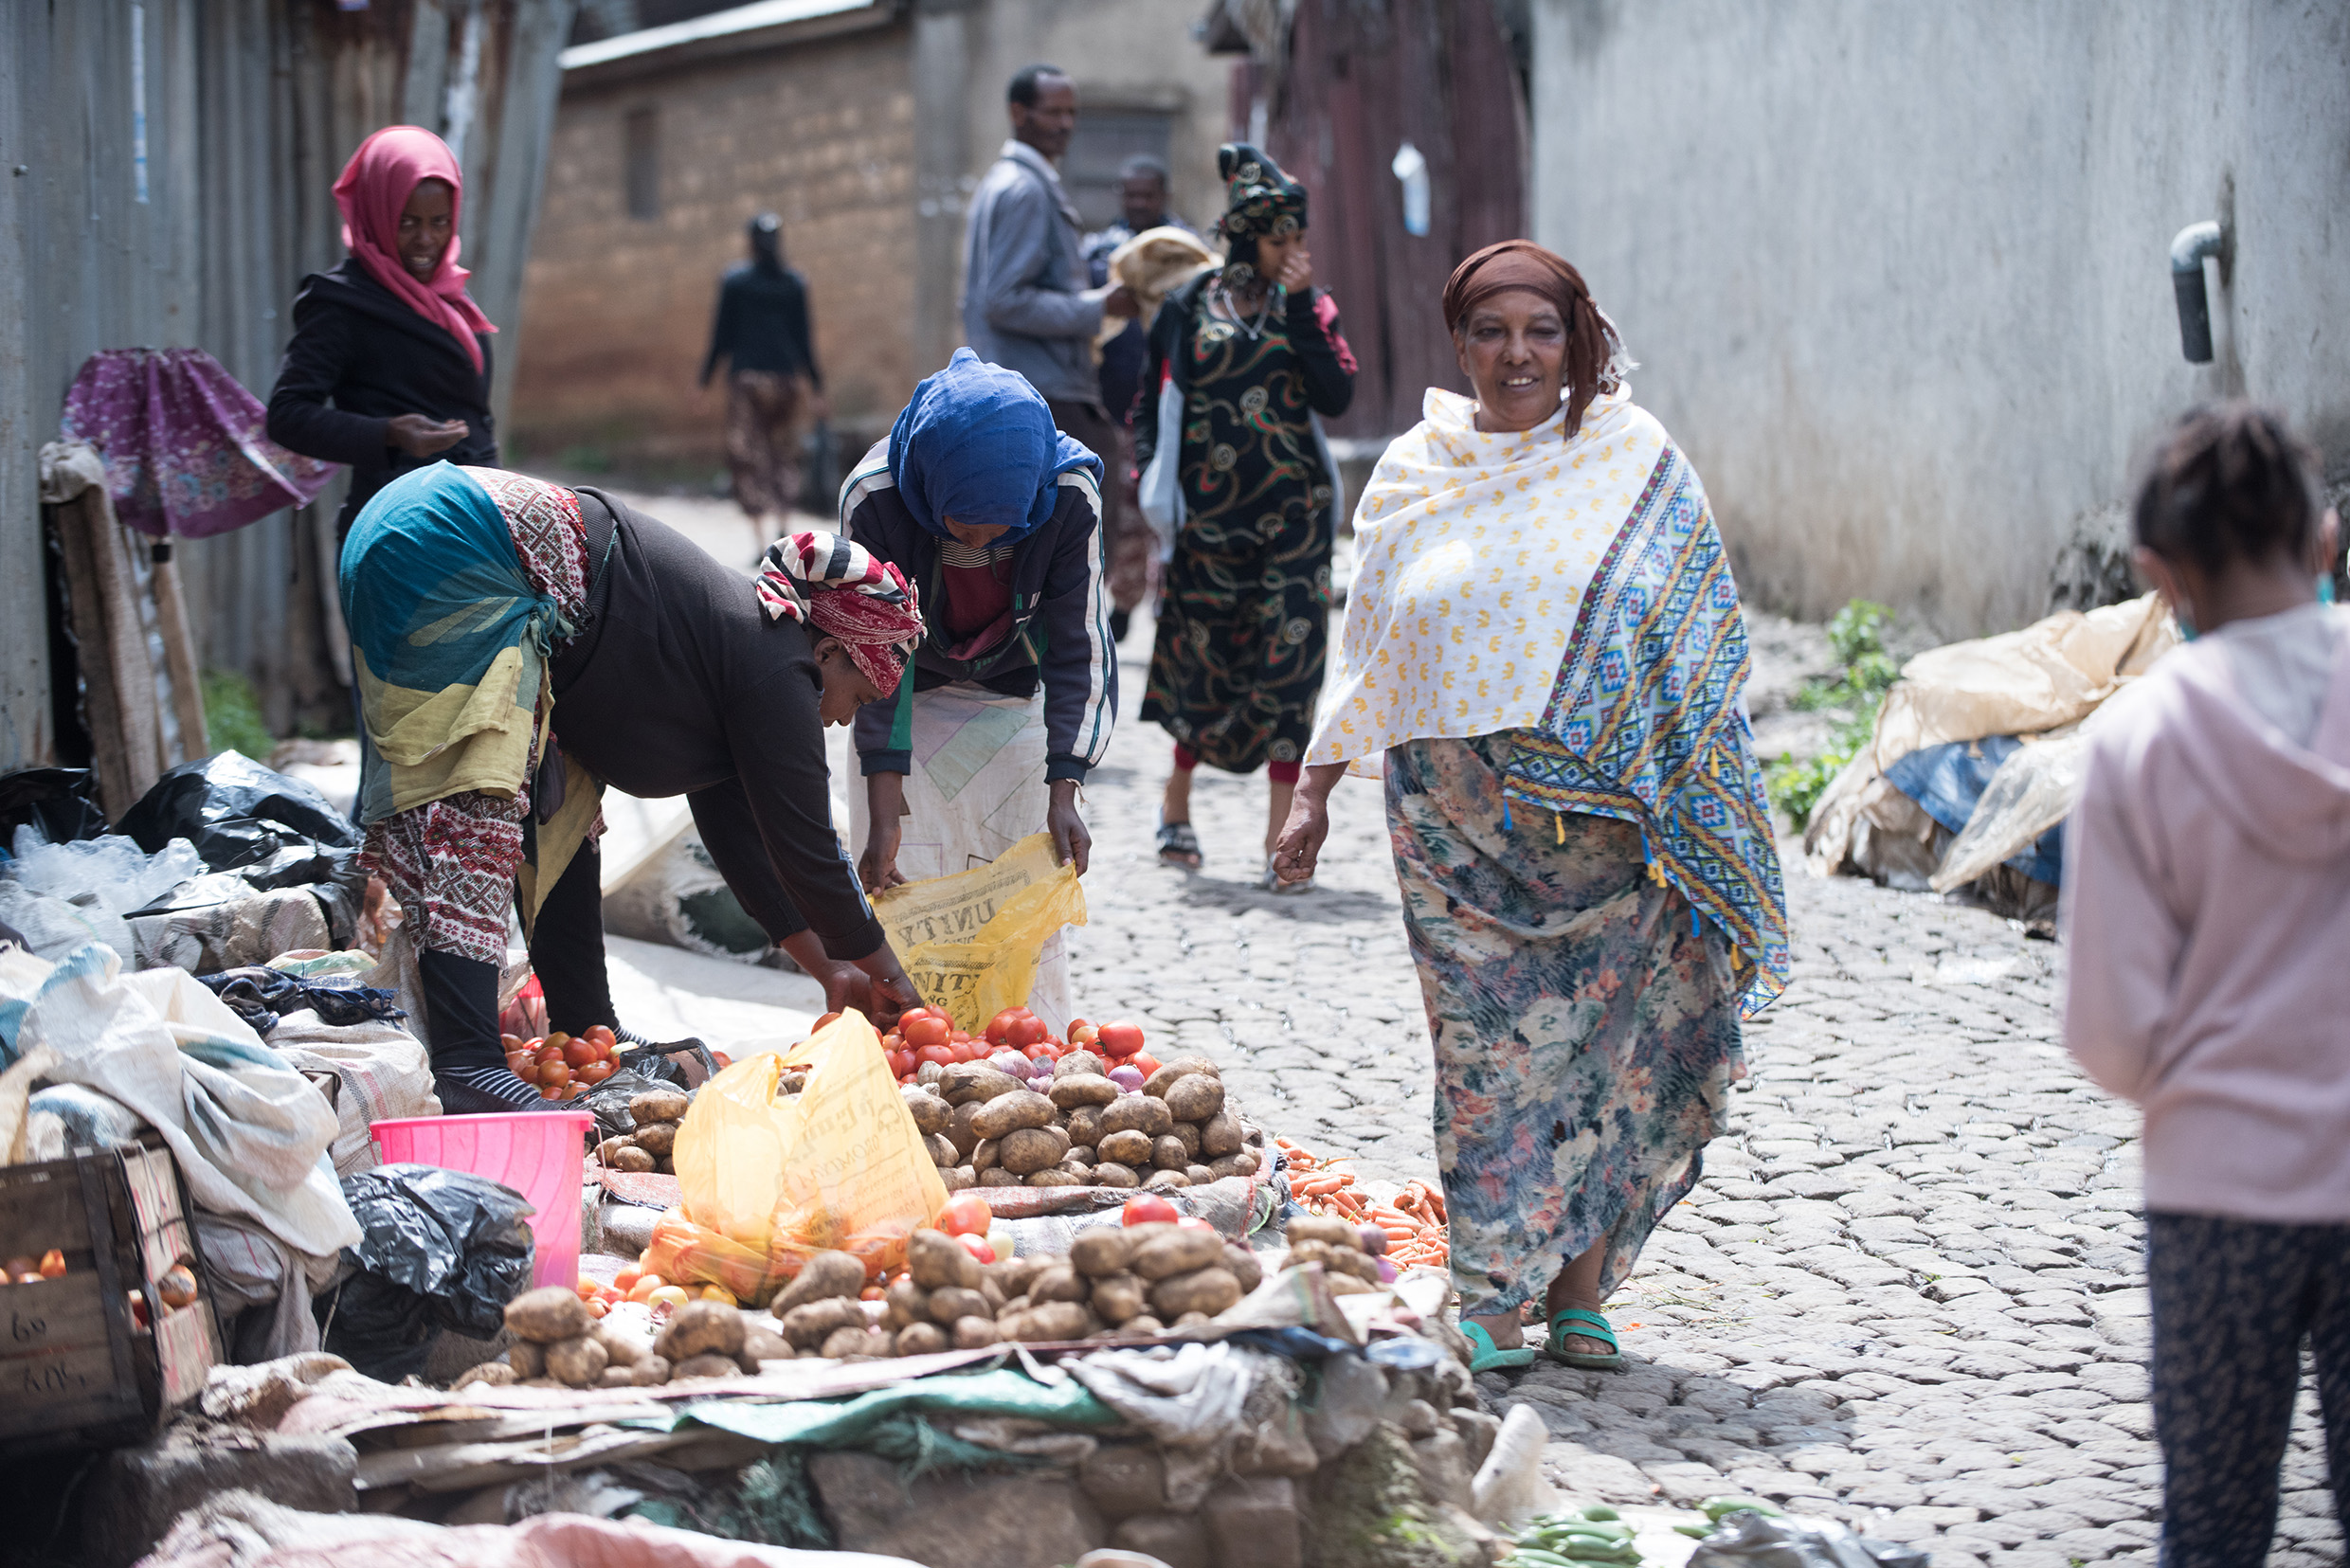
(510, 1043)
(596, 1071)
(1000, 1027)
(978, 1247)
(828, 1017)
(587, 1288)
(557, 1040)
(966, 1214)
(1028, 1030)
(601, 1033)
(598, 1307)
(1084, 1036)
(52, 1264)
(177, 1287)
(925, 1030)
(671, 1296)
(626, 1278)
(646, 1284)
(719, 1293)
(548, 1092)
(1192, 1223)
(1149, 1209)
(522, 1066)
(1122, 1038)
(1043, 1053)
(554, 1074)
(1144, 1063)
(722, 1058)
(580, 1053)
(943, 1054)
(871, 1292)
(548, 1054)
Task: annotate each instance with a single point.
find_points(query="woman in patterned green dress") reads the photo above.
(1253, 352)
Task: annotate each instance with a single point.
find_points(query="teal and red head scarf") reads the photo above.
(978, 444)
(843, 592)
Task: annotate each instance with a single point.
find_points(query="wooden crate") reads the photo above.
(76, 1370)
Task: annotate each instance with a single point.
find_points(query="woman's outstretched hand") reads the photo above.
(1299, 848)
(1072, 844)
(421, 436)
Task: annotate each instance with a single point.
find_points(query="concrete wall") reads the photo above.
(617, 310)
(1896, 273)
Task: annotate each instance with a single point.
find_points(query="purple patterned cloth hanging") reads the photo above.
(185, 452)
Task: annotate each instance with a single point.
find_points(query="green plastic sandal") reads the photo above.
(1488, 1358)
(1588, 1325)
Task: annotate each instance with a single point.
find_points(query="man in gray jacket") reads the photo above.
(1026, 303)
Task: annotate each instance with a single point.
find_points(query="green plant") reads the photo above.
(1856, 637)
(233, 712)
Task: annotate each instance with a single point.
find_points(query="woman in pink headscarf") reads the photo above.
(389, 369)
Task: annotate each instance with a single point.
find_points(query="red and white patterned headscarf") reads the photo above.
(845, 591)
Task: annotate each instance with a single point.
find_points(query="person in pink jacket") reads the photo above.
(2207, 928)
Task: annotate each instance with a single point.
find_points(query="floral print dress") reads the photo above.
(1585, 1027)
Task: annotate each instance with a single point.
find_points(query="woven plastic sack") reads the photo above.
(839, 1164)
(970, 941)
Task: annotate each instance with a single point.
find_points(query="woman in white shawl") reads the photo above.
(1543, 618)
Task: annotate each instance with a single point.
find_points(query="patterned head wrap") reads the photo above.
(1259, 199)
(977, 443)
(1596, 361)
(841, 589)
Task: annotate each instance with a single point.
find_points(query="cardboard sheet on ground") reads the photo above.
(971, 940)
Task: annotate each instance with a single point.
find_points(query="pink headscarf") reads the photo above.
(375, 185)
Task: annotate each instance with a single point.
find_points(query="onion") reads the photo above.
(1386, 1270)
(1012, 1062)
(1374, 1240)
(1128, 1078)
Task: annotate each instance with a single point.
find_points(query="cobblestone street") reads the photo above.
(1908, 1291)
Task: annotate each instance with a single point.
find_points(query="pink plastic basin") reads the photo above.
(537, 1153)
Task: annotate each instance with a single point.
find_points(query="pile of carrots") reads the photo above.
(1414, 1220)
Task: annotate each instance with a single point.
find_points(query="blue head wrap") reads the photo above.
(978, 444)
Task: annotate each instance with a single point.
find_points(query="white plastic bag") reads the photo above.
(1161, 489)
(62, 896)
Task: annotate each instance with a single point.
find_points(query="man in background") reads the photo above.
(1027, 302)
(773, 386)
(1133, 550)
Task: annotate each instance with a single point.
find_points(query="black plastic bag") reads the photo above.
(237, 813)
(438, 1249)
(59, 803)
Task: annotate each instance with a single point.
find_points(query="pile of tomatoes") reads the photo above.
(563, 1066)
(634, 1283)
(927, 1035)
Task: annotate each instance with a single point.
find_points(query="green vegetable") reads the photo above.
(1601, 1511)
(1714, 1507)
(1695, 1532)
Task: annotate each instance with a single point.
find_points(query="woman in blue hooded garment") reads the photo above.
(995, 517)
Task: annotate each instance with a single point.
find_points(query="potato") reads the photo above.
(1219, 1135)
(1008, 1113)
(1226, 1165)
(665, 1166)
(1079, 1064)
(617, 1375)
(1084, 1125)
(1194, 1097)
(1118, 1297)
(529, 1360)
(1053, 1320)
(992, 1293)
(843, 1345)
(959, 1128)
(956, 1301)
(611, 1146)
(1303, 1253)
(1058, 1282)
(1312, 1226)
(701, 1327)
(943, 1152)
(1027, 1151)
(1247, 1162)
(986, 1156)
(1209, 1290)
(550, 1313)
(825, 1275)
(903, 1302)
(1361, 1265)
(1061, 1144)
(657, 1105)
(1082, 1089)
(1061, 1176)
(577, 1362)
(621, 1346)
(930, 1075)
(1161, 1180)
(1130, 1148)
(1177, 1249)
(1182, 1067)
(1189, 1135)
(792, 1083)
(1189, 1320)
(921, 1339)
(763, 1344)
(1246, 1267)
(808, 1325)
(931, 1114)
(1012, 1274)
(958, 1177)
(1110, 1173)
(999, 1177)
(659, 1140)
(651, 1372)
(975, 1333)
(635, 1160)
(495, 1374)
(936, 1259)
(1144, 1324)
(1138, 1113)
(1081, 1154)
(1347, 1284)
(1101, 1250)
(1255, 1135)
(708, 1365)
(1169, 1154)
(1199, 1175)
(967, 1081)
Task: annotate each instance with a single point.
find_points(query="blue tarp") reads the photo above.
(1946, 781)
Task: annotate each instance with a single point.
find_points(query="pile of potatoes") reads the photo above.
(558, 1345)
(1118, 1282)
(657, 1114)
(1338, 1246)
(986, 1128)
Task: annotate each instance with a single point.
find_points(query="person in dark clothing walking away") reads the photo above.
(389, 368)
(773, 387)
(1142, 205)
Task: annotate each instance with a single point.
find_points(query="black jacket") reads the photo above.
(681, 684)
(1060, 623)
(360, 349)
(762, 324)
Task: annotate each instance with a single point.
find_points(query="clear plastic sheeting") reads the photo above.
(2033, 790)
(62, 896)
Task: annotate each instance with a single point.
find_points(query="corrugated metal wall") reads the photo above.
(250, 108)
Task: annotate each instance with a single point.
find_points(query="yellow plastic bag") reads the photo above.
(970, 941)
(841, 1164)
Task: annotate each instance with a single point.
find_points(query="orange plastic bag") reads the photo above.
(767, 1180)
